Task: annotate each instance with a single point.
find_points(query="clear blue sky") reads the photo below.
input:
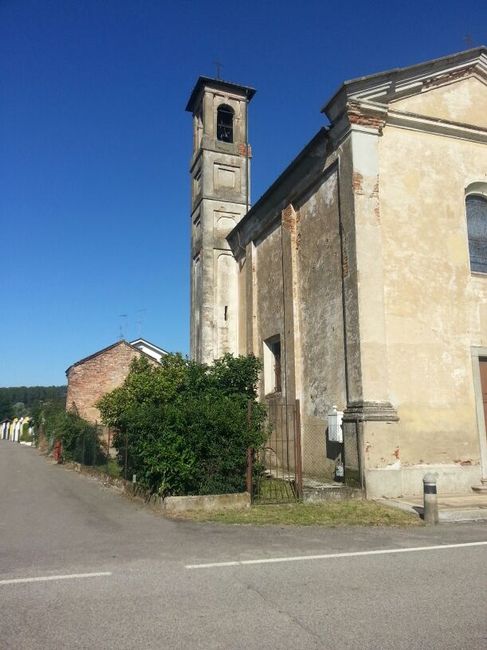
(95, 145)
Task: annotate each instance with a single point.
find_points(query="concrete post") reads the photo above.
(430, 499)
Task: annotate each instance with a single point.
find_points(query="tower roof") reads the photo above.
(220, 85)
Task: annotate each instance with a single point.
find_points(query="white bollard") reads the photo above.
(430, 513)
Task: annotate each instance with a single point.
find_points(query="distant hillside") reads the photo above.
(21, 400)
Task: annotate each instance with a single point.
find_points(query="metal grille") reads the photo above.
(277, 476)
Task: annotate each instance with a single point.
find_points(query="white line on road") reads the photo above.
(328, 556)
(72, 576)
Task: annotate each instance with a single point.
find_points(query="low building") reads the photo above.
(94, 376)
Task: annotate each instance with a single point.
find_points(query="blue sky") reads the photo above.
(95, 145)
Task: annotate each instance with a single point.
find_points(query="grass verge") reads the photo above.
(331, 514)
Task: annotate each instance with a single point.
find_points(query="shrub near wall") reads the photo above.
(186, 425)
(79, 438)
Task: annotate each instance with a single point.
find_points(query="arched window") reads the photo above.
(224, 123)
(476, 207)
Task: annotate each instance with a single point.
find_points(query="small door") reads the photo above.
(483, 383)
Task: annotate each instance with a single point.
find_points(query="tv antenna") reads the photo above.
(122, 325)
(140, 321)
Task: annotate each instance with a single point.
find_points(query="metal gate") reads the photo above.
(277, 471)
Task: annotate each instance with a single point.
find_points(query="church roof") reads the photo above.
(305, 167)
(220, 84)
(381, 87)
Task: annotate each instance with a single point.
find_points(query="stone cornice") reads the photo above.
(445, 128)
(363, 411)
(373, 118)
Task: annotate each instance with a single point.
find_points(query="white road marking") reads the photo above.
(72, 576)
(329, 556)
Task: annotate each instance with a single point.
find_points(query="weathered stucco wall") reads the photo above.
(219, 175)
(435, 310)
(269, 287)
(462, 101)
(321, 321)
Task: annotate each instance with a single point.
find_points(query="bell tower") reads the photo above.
(220, 195)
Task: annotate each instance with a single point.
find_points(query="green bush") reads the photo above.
(25, 435)
(186, 425)
(79, 438)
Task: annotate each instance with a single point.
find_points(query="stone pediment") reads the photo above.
(451, 89)
(463, 101)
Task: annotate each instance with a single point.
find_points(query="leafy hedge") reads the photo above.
(186, 425)
(79, 438)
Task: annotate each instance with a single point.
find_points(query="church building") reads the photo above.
(360, 276)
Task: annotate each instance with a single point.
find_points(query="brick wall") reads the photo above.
(90, 379)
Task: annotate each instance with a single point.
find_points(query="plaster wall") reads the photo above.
(321, 322)
(450, 102)
(269, 288)
(435, 308)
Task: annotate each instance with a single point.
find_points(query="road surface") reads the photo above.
(83, 567)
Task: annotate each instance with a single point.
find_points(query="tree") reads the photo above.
(186, 425)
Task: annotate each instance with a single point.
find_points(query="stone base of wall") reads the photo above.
(408, 481)
(330, 493)
(208, 503)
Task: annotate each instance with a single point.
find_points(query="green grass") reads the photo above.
(331, 513)
(275, 490)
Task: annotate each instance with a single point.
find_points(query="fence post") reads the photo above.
(83, 450)
(250, 455)
(126, 456)
(109, 440)
(297, 450)
(250, 452)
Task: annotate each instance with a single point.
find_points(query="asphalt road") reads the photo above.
(55, 523)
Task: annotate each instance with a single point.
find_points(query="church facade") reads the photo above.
(360, 276)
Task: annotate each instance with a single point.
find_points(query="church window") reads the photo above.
(476, 208)
(224, 123)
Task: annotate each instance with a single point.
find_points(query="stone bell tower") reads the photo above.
(220, 194)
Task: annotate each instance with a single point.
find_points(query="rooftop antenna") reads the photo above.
(140, 321)
(121, 335)
(469, 42)
(219, 66)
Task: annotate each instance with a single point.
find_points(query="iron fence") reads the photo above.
(274, 473)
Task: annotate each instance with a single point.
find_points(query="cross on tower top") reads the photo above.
(219, 66)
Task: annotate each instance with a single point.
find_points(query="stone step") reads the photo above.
(315, 491)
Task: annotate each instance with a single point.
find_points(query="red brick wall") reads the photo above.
(92, 378)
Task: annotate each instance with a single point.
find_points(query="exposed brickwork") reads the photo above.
(243, 149)
(90, 379)
(453, 75)
(360, 115)
(289, 219)
(357, 180)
